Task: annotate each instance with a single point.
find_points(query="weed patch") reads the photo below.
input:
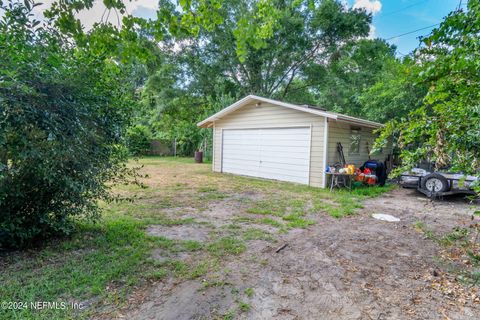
(257, 234)
(462, 248)
(226, 245)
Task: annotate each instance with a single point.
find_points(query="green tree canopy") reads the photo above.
(446, 127)
(303, 34)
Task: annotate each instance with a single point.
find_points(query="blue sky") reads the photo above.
(395, 17)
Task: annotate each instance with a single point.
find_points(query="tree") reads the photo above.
(446, 127)
(302, 33)
(396, 92)
(63, 114)
(354, 67)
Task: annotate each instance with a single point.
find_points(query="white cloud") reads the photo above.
(372, 33)
(97, 12)
(371, 6)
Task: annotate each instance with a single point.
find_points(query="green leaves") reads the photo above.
(64, 110)
(445, 129)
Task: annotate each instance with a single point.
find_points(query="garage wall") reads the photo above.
(271, 116)
(340, 132)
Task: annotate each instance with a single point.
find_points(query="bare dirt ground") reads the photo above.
(355, 267)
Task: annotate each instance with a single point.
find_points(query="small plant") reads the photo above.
(199, 270)
(244, 307)
(230, 315)
(158, 274)
(249, 292)
(464, 241)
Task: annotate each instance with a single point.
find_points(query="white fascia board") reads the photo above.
(360, 122)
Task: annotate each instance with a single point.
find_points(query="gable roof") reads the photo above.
(207, 123)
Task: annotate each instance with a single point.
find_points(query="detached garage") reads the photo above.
(270, 139)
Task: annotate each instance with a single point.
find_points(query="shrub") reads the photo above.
(63, 111)
(138, 140)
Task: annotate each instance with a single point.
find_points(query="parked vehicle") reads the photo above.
(437, 184)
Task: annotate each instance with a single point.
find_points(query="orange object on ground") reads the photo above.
(372, 180)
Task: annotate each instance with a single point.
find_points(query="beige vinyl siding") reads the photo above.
(341, 132)
(272, 116)
(217, 149)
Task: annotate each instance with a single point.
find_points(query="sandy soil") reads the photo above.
(351, 268)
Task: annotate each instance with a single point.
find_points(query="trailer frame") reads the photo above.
(435, 194)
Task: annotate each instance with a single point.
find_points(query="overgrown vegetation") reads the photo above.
(461, 253)
(62, 117)
(138, 139)
(444, 128)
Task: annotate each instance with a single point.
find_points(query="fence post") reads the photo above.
(175, 147)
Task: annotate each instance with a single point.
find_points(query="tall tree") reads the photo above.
(303, 33)
(396, 92)
(446, 127)
(354, 67)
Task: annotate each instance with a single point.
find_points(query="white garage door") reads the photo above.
(281, 154)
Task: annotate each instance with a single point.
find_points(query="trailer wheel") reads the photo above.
(435, 182)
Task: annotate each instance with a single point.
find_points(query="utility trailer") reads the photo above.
(438, 184)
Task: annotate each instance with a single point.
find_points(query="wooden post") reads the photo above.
(175, 147)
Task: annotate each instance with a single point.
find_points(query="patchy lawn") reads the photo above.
(197, 244)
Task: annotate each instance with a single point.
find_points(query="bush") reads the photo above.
(138, 140)
(63, 111)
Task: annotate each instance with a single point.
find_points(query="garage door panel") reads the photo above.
(281, 154)
(284, 165)
(281, 171)
(279, 157)
(275, 145)
(242, 162)
(243, 169)
(286, 148)
(280, 176)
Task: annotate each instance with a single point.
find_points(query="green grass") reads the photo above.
(95, 261)
(271, 222)
(226, 245)
(296, 221)
(104, 262)
(230, 315)
(113, 253)
(207, 189)
(339, 203)
(266, 208)
(257, 234)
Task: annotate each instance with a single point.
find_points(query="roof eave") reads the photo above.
(240, 103)
(361, 122)
(207, 123)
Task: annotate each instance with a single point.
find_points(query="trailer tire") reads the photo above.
(435, 182)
